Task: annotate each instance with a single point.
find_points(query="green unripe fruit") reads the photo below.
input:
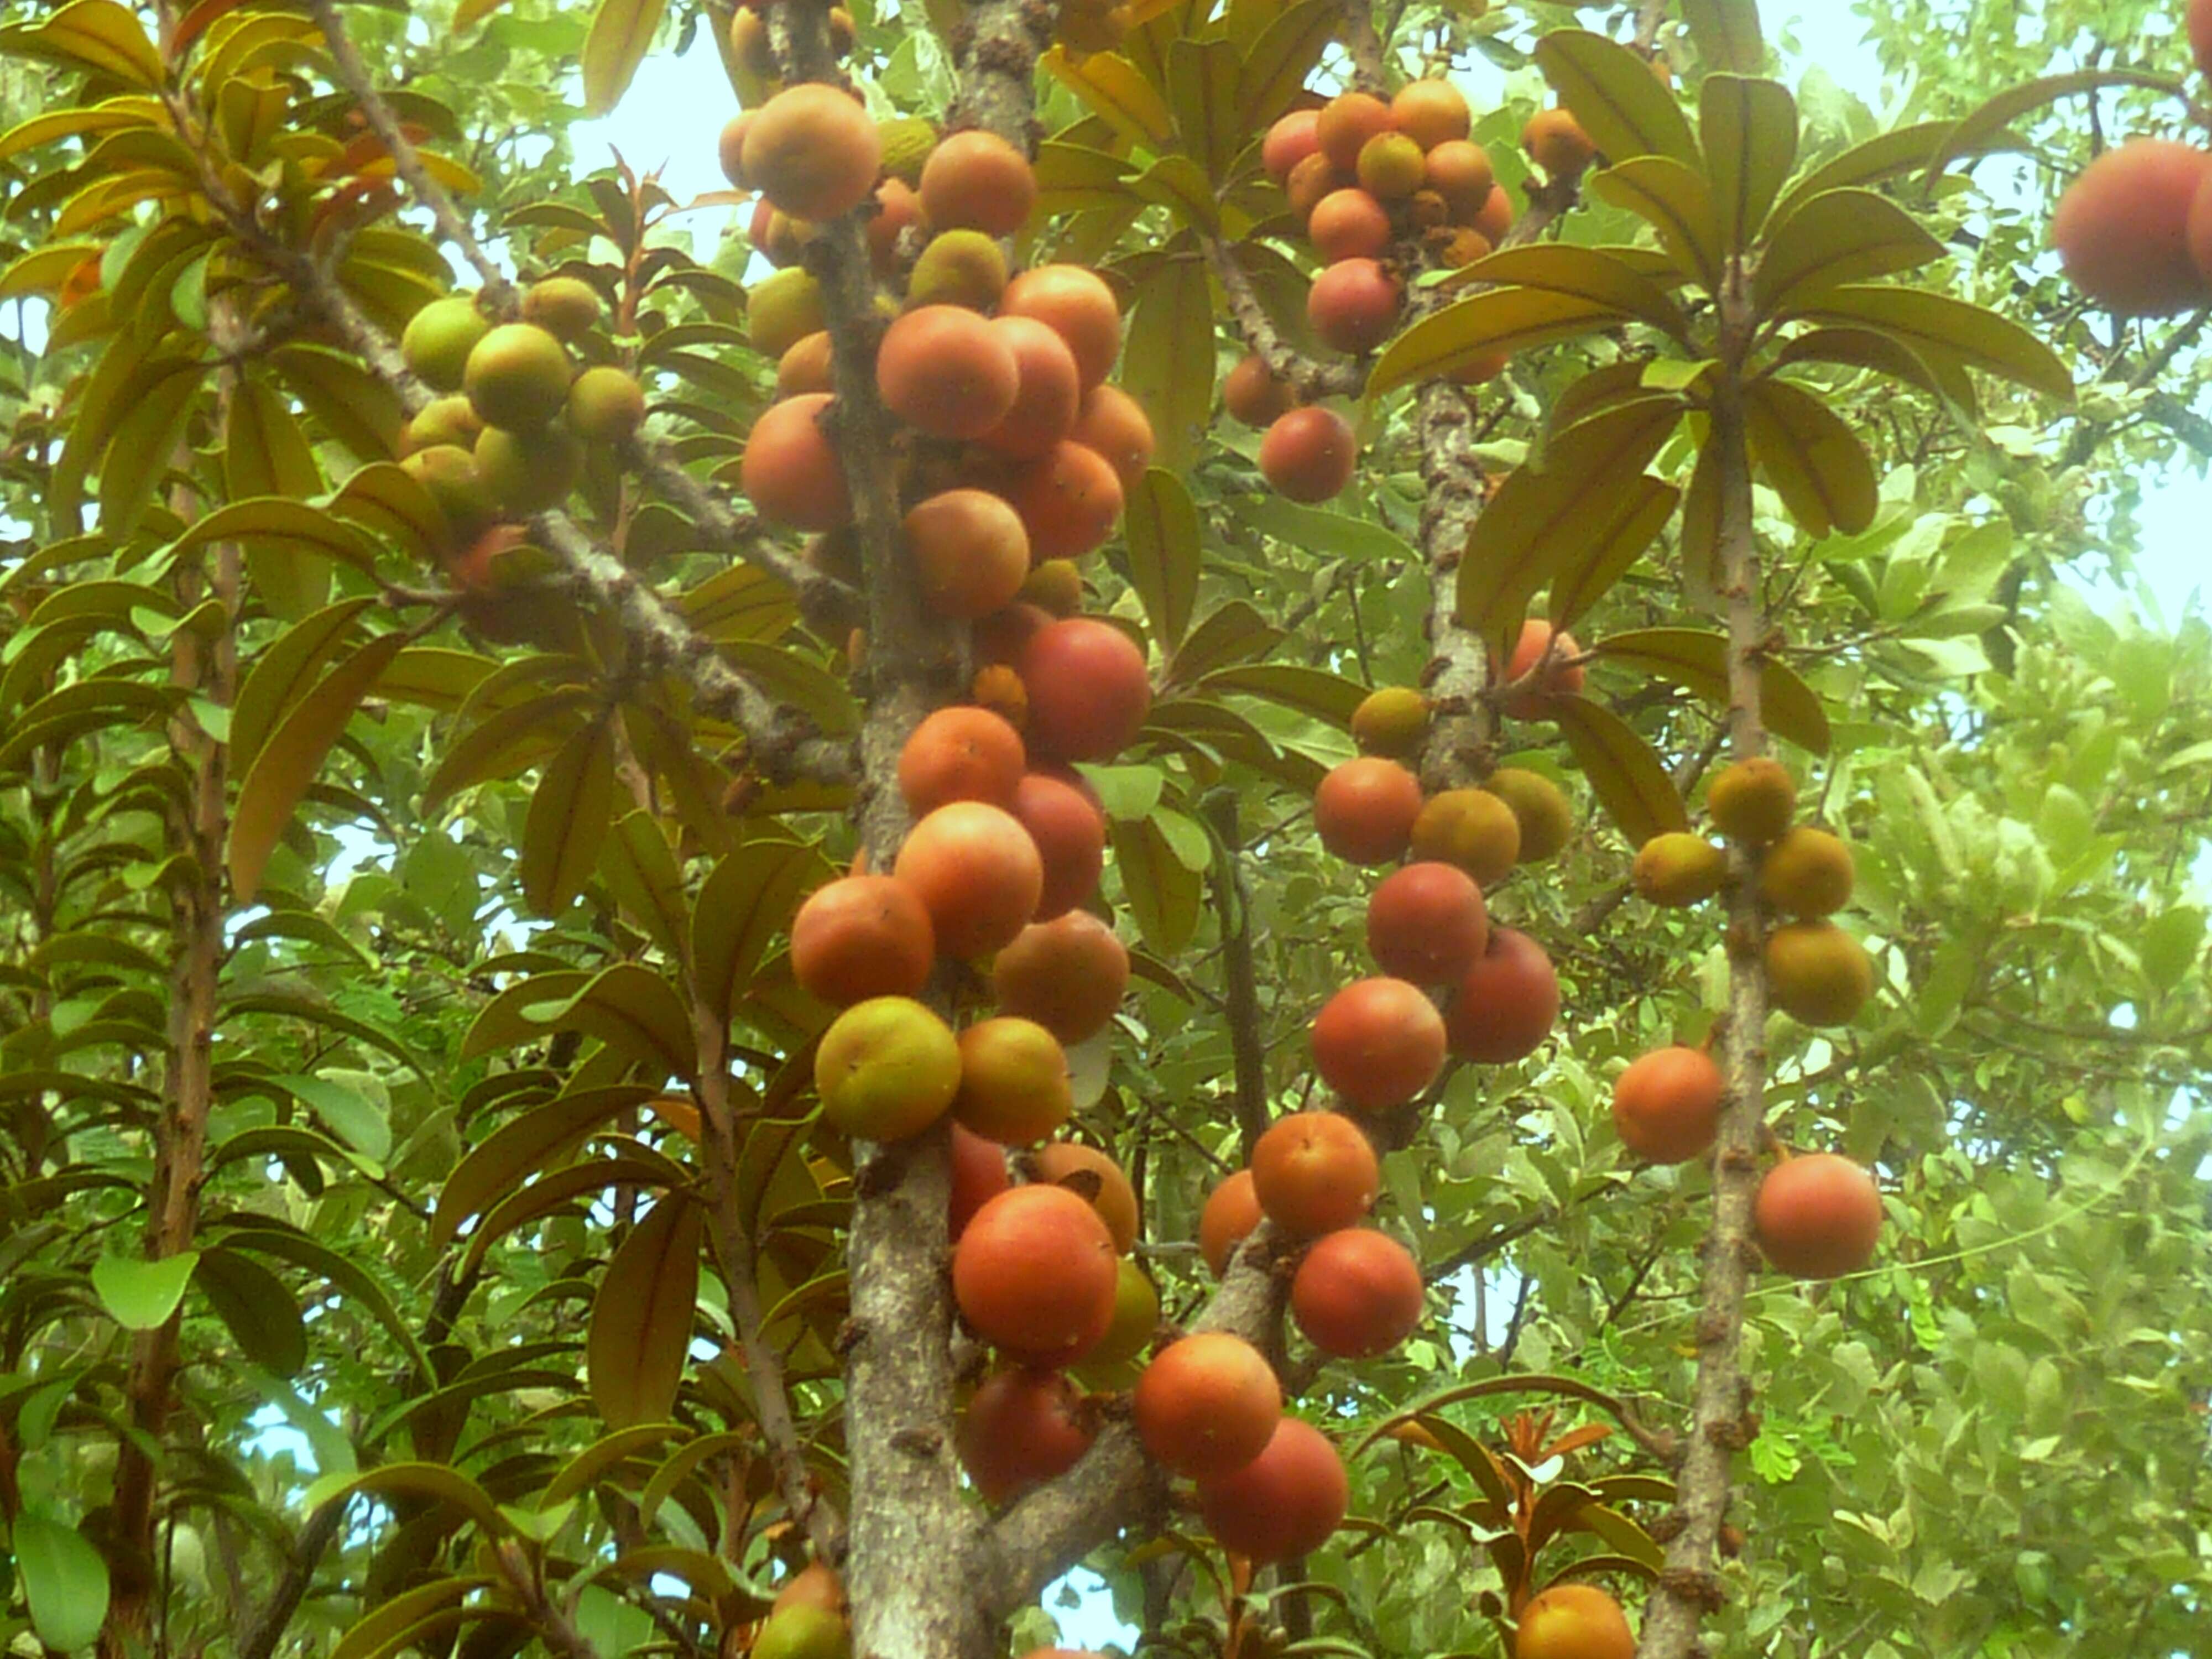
(1391, 166)
(1808, 874)
(1055, 586)
(529, 471)
(1678, 869)
(906, 141)
(1547, 822)
(439, 339)
(958, 268)
(1136, 1319)
(1471, 829)
(1392, 722)
(801, 1632)
(449, 474)
(1752, 800)
(605, 406)
(1818, 973)
(567, 308)
(886, 1069)
(517, 377)
(782, 310)
(450, 420)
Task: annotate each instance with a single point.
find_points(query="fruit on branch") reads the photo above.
(860, 937)
(1807, 872)
(1049, 393)
(1752, 800)
(1496, 216)
(1136, 1320)
(1088, 687)
(906, 142)
(1114, 424)
(1253, 395)
(783, 309)
(960, 753)
(1284, 1503)
(1573, 1622)
(1348, 224)
(2123, 232)
(978, 1176)
(1068, 499)
(1308, 455)
(1678, 869)
(1430, 113)
(567, 308)
(1207, 1404)
(792, 472)
(1378, 1042)
(1015, 1087)
(1021, 1428)
(814, 151)
(1063, 820)
(1357, 1294)
(529, 471)
(449, 475)
(1034, 1275)
(1353, 304)
(1507, 1004)
(1231, 1211)
(1347, 121)
(477, 570)
(886, 1069)
(897, 207)
(1054, 587)
(1392, 722)
(1471, 828)
(750, 44)
(803, 1630)
(730, 150)
(1314, 1172)
(1427, 923)
(1818, 1216)
(517, 377)
(1068, 974)
(1666, 1105)
(976, 872)
(1540, 808)
(945, 371)
(1818, 973)
(1555, 141)
(970, 552)
(805, 368)
(779, 236)
(438, 339)
(1075, 302)
(1390, 167)
(814, 1585)
(1561, 675)
(1097, 1178)
(1312, 181)
(452, 419)
(1292, 139)
(975, 181)
(1002, 636)
(1365, 809)
(1460, 172)
(606, 405)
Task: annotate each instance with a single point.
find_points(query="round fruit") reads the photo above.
(958, 268)
(975, 181)
(1555, 141)
(1076, 303)
(1114, 425)
(1427, 923)
(1308, 455)
(862, 937)
(1136, 1317)
(517, 377)
(1471, 828)
(439, 338)
(960, 753)
(1392, 721)
(1309, 181)
(1357, 1294)
(1014, 1082)
(1806, 873)
(1254, 396)
(567, 308)
(814, 1585)
(1378, 1042)
(976, 872)
(792, 472)
(1068, 975)
(730, 150)
(1070, 833)
(1496, 217)
(1573, 1622)
(1391, 166)
(906, 141)
(1288, 141)
(449, 474)
(1752, 800)
(1678, 869)
(978, 1176)
(2122, 228)
(803, 1632)
(1002, 636)
(1432, 112)
(1347, 121)
(1507, 1004)
(896, 208)
(969, 550)
(1069, 500)
(1365, 809)
(1208, 1404)
(999, 689)
(1034, 1274)
(1231, 1212)
(606, 405)
(1284, 1503)
(529, 471)
(1089, 691)
(805, 368)
(1348, 224)
(1561, 677)
(1817, 973)
(1666, 1105)
(750, 44)
(945, 371)
(783, 309)
(814, 151)
(1313, 1172)
(1818, 1216)
(452, 419)
(1021, 1428)
(1353, 305)
(886, 1069)
(1092, 1175)
(1049, 394)
(1054, 587)
(1540, 807)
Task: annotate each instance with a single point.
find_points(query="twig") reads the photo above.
(554, 1627)
(1240, 981)
(1309, 378)
(269, 1625)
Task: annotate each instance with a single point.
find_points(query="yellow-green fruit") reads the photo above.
(1391, 166)
(1392, 722)
(906, 141)
(1678, 869)
(801, 1630)
(1817, 972)
(1471, 829)
(1056, 585)
(886, 1069)
(606, 406)
(529, 471)
(1752, 800)
(1540, 806)
(452, 419)
(517, 377)
(439, 338)
(1015, 1087)
(749, 42)
(782, 310)
(1808, 874)
(1136, 1318)
(958, 268)
(449, 474)
(567, 308)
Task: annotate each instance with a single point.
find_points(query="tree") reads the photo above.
(452, 1206)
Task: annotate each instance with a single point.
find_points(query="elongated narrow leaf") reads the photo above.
(280, 523)
(568, 820)
(1726, 33)
(1698, 662)
(1700, 533)
(1749, 129)
(1202, 91)
(382, 1631)
(1814, 460)
(439, 1482)
(1838, 236)
(641, 1326)
(680, 1465)
(549, 1193)
(519, 1148)
(1111, 89)
(1583, 272)
(1863, 348)
(1163, 894)
(615, 44)
(1626, 1538)
(642, 873)
(503, 743)
(1275, 68)
(748, 899)
(1161, 526)
(1887, 155)
(282, 673)
(1935, 325)
(1613, 94)
(1325, 696)
(595, 1459)
(1587, 576)
(64, 1579)
(1973, 135)
(98, 35)
(631, 1008)
(1507, 319)
(1677, 203)
(1168, 363)
(145, 439)
(348, 1278)
(256, 1307)
(1624, 774)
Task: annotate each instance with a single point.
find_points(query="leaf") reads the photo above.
(587, 1465)
(1815, 462)
(1988, 121)
(437, 1482)
(621, 32)
(1838, 236)
(293, 758)
(642, 873)
(1864, 348)
(262, 1315)
(1586, 575)
(141, 1295)
(282, 674)
(1163, 894)
(144, 443)
(348, 1278)
(1749, 128)
(550, 1192)
(1338, 535)
(745, 903)
(393, 1625)
(1627, 1538)
(1507, 319)
(1888, 156)
(1938, 326)
(1612, 92)
(467, 16)
(635, 1010)
(1203, 92)
(1726, 33)
(276, 521)
(64, 1579)
(568, 820)
(1110, 88)
(346, 1112)
(1327, 697)
(1624, 774)
(522, 1146)
(1583, 272)
(495, 746)
(1275, 68)
(681, 1463)
(1233, 632)
(1167, 361)
(1698, 662)
(105, 38)
(641, 1325)
(1160, 524)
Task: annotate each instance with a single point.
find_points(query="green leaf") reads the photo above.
(351, 405)
(1111, 89)
(1275, 68)
(1889, 155)
(306, 927)
(1337, 535)
(1698, 662)
(621, 32)
(283, 672)
(1161, 527)
(1077, 179)
(748, 899)
(1726, 33)
(1937, 326)
(64, 1579)
(568, 821)
(261, 1315)
(105, 38)
(1327, 697)
(145, 443)
(279, 524)
(1202, 91)
(587, 1465)
(1612, 92)
(1167, 361)
(1676, 202)
(1507, 320)
(641, 871)
(1976, 133)
(1163, 892)
(1584, 273)
(1589, 573)
(633, 1009)
(1624, 774)
(141, 1295)
(641, 1326)
(1180, 184)
(1750, 132)
(1815, 462)
(438, 1482)
(349, 1114)
(346, 1276)
(522, 1146)
(396, 1623)
(1864, 348)
(1838, 236)
(551, 1191)
(2170, 945)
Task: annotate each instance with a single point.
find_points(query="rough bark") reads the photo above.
(1232, 902)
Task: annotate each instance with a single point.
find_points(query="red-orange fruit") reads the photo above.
(1507, 1004)
(1496, 216)
(1666, 1105)
(862, 937)
(792, 472)
(814, 151)
(2122, 228)
(1022, 1428)
(1427, 923)
(1231, 1212)
(2198, 23)
(960, 753)
(1070, 833)
(806, 367)
(1002, 636)
(1347, 122)
(1050, 392)
(1353, 305)
(1818, 1216)
(975, 181)
(1098, 1178)
(1089, 689)
(1309, 181)
(979, 1175)
(1114, 425)
(1069, 500)
(1378, 1042)
(1357, 1294)
(976, 872)
(944, 371)
(814, 1585)
(1068, 975)
(1314, 1172)
(1555, 141)
(1034, 1274)
(1284, 1503)
(1573, 1622)
(1365, 809)
(970, 552)
(1430, 113)
(1077, 304)
(1348, 224)
(1564, 675)
(1288, 141)
(731, 150)
(1308, 455)
(1207, 1404)
(1253, 395)
(1460, 172)
(897, 207)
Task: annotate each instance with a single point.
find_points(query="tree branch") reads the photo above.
(1310, 377)
(1240, 981)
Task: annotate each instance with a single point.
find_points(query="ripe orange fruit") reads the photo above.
(812, 148)
(975, 181)
(1068, 975)
(1357, 1294)
(2122, 229)
(1063, 820)
(945, 371)
(1307, 455)
(1021, 1428)
(792, 472)
(1378, 1042)
(1079, 1168)
(1562, 677)
(1231, 1212)
(1353, 304)
(1666, 1105)
(862, 937)
(1089, 689)
(1347, 122)
(1253, 395)
(979, 1175)
(1430, 113)
(1114, 424)
(976, 872)
(1555, 141)
(1427, 923)
(1288, 141)
(1285, 1502)
(1034, 1274)
(1573, 1622)
(1050, 390)
(1365, 809)
(1014, 1082)
(1508, 1003)
(960, 753)
(1818, 1216)
(1068, 499)
(1207, 1404)
(1075, 302)
(1314, 1172)
(1348, 224)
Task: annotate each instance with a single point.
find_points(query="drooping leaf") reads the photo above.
(1864, 348)
(348, 1276)
(439, 1482)
(1276, 67)
(633, 1009)
(520, 1147)
(1677, 203)
(262, 1314)
(642, 873)
(1615, 97)
(1937, 326)
(1606, 557)
(1202, 91)
(587, 1465)
(396, 1624)
(1160, 523)
(279, 524)
(1974, 134)
(1111, 89)
(1698, 662)
(1749, 129)
(1838, 236)
(144, 443)
(1624, 774)
(98, 35)
(64, 1579)
(141, 1295)
(1233, 632)
(1507, 319)
(566, 825)
(1335, 535)
(1168, 362)
(551, 1192)
(1325, 696)
(1584, 273)
(640, 1326)
(1814, 460)
(615, 44)
(283, 672)
(344, 1110)
(745, 902)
